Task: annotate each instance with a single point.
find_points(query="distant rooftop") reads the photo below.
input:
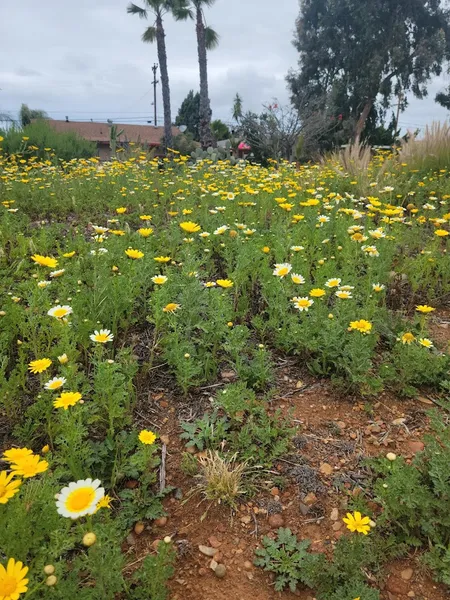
(99, 132)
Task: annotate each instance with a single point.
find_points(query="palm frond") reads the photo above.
(212, 38)
(202, 3)
(149, 35)
(133, 9)
(181, 11)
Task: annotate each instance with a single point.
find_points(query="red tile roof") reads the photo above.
(99, 132)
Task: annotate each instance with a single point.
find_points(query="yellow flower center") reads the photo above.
(8, 586)
(60, 312)
(283, 271)
(80, 499)
(101, 337)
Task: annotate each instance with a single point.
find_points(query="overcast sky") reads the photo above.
(85, 59)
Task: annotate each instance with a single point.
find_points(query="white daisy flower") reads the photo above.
(55, 383)
(102, 336)
(59, 312)
(79, 498)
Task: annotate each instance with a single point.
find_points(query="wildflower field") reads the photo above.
(178, 341)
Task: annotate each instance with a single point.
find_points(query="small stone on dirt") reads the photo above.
(310, 499)
(424, 400)
(275, 491)
(139, 528)
(213, 565)
(337, 526)
(214, 542)
(246, 519)
(415, 447)
(220, 571)
(341, 424)
(304, 509)
(164, 439)
(353, 435)
(406, 574)
(207, 550)
(248, 565)
(276, 521)
(161, 522)
(299, 384)
(326, 469)
(228, 375)
(334, 514)
(400, 421)
(131, 541)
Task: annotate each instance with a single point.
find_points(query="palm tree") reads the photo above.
(207, 39)
(159, 8)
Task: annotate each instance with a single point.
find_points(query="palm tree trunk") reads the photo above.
(162, 58)
(362, 120)
(206, 137)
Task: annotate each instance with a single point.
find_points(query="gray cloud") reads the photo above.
(87, 60)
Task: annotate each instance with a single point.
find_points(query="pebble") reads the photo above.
(248, 565)
(246, 519)
(411, 594)
(353, 435)
(161, 522)
(415, 446)
(220, 571)
(310, 499)
(207, 550)
(131, 539)
(139, 528)
(276, 521)
(164, 439)
(334, 514)
(202, 571)
(214, 542)
(304, 509)
(406, 574)
(337, 526)
(326, 469)
(341, 424)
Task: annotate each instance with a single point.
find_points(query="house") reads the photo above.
(144, 135)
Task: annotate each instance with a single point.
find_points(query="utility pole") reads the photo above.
(155, 83)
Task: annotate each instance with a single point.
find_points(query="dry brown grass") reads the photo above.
(429, 153)
(221, 479)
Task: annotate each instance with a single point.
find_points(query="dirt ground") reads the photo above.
(334, 434)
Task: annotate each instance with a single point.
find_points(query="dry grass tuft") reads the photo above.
(432, 152)
(221, 479)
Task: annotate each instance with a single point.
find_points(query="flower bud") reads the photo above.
(49, 569)
(50, 581)
(89, 539)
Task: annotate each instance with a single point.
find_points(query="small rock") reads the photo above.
(246, 519)
(178, 495)
(353, 435)
(341, 424)
(131, 484)
(276, 521)
(139, 528)
(406, 574)
(337, 526)
(228, 375)
(161, 522)
(221, 527)
(220, 571)
(155, 544)
(275, 491)
(326, 469)
(164, 439)
(214, 542)
(411, 594)
(213, 564)
(310, 499)
(299, 384)
(131, 540)
(202, 571)
(375, 428)
(415, 446)
(425, 400)
(334, 514)
(304, 509)
(400, 421)
(248, 565)
(207, 550)
(191, 449)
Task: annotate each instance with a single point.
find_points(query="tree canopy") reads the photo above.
(189, 114)
(355, 52)
(26, 114)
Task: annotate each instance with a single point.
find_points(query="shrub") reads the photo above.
(64, 146)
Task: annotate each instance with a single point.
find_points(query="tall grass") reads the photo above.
(430, 153)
